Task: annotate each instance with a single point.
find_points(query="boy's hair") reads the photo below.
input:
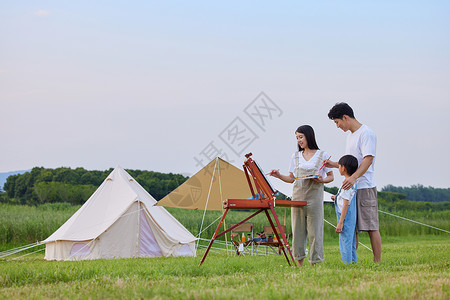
(339, 110)
(308, 131)
(350, 163)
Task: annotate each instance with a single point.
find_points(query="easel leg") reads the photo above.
(282, 233)
(278, 238)
(214, 236)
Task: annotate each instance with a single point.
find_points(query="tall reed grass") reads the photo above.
(27, 224)
(21, 224)
(389, 225)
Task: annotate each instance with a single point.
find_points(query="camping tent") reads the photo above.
(208, 188)
(216, 182)
(118, 221)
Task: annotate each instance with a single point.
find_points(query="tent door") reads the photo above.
(80, 249)
(148, 244)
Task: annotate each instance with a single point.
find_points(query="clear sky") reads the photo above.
(162, 85)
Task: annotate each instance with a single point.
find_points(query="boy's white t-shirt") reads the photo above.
(344, 194)
(361, 143)
(309, 164)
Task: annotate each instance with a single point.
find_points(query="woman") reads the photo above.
(307, 221)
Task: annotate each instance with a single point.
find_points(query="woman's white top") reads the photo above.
(309, 164)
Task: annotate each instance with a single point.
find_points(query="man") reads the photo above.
(361, 143)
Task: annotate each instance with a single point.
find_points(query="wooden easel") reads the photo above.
(263, 201)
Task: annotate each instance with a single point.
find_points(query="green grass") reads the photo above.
(415, 264)
(410, 268)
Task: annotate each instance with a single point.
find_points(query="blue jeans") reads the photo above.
(347, 239)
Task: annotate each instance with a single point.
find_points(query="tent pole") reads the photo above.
(221, 200)
(206, 205)
(139, 230)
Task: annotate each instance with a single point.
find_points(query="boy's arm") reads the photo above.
(363, 167)
(340, 224)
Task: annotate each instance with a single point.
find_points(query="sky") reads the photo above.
(168, 85)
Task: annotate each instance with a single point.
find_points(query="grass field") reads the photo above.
(415, 264)
(410, 269)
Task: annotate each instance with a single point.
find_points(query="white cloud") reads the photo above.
(42, 13)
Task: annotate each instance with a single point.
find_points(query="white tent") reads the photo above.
(119, 221)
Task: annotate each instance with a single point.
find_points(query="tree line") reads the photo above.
(75, 186)
(420, 193)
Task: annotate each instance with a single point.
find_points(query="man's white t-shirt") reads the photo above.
(361, 143)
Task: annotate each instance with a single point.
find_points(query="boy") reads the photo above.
(345, 204)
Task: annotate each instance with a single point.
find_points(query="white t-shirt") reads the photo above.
(309, 164)
(361, 143)
(344, 194)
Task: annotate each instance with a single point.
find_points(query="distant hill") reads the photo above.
(3, 176)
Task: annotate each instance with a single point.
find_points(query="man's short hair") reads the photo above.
(350, 163)
(339, 110)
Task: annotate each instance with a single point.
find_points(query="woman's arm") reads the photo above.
(286, 178)
(328, 179)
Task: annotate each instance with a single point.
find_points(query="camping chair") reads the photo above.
(247, 230)
(271, 241)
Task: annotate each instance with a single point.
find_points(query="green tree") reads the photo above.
(42, 191)
(421, 193)
(75, 186)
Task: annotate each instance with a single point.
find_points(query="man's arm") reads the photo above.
(363, 167)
